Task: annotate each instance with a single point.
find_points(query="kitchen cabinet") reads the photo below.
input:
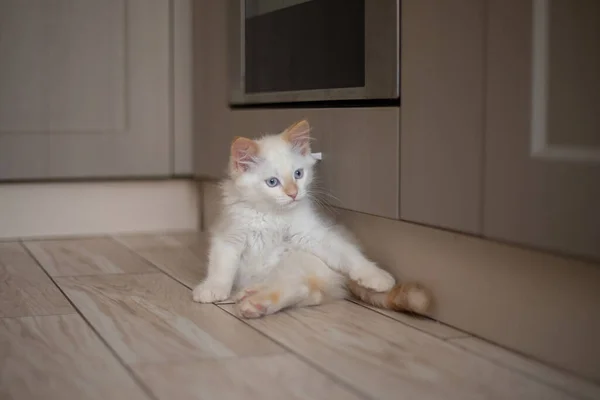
(88, 89)
(500, 127)
(542, 137)
(442, 87)
(488, 140)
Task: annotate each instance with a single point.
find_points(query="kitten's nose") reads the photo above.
(291, 189)
(292, 192)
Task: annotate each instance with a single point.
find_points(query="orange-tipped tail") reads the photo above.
(402, 297)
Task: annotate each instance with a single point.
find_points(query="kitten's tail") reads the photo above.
(402, 297)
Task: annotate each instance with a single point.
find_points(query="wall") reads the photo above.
(96, 208)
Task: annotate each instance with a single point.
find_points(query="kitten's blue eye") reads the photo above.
(272, 182)
(299, 173)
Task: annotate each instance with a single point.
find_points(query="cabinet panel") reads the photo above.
(441, 146)
(183, 78)
(362, 159)
(50, 72)
(85, 88)
(211, 118)
(542, 182)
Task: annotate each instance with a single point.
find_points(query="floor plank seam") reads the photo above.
(110, 274)
(112, 351)
(130, 250)
(60, 238)
(526, 373)
(358, 303)
(160, 269)
(153, 264)
(39, 315)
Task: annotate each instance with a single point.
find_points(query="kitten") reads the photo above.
(273, 248)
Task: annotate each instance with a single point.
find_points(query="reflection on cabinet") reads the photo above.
(542, 164)
(86, 89)
(442, 113)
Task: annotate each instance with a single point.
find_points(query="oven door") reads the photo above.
(288, 51)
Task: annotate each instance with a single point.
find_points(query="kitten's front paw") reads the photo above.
(373, 278)
(208, 292)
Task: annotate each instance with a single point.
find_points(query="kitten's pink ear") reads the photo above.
(299, 136)
(244, 153)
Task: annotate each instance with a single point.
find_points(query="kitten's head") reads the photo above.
(275, 170)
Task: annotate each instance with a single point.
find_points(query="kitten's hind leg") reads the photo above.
(249, 291)
(272, 298)
(301, 279)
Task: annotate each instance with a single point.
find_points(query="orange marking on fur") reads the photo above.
(396, 297)
(275, 296)
(246, 294)
(300, 126)
(314, 284)
(243, 151)
(298, 135)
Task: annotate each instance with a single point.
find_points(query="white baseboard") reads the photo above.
(96, 208)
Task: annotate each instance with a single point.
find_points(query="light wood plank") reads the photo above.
(59, 357)
(551, 376)
(87, 257)
(183, 264)
(389, 360)
(152, 318)
(269, 377)
(25, 290)
(182, 256)
(423, 324)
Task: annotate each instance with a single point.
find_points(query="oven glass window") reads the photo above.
(295, 45)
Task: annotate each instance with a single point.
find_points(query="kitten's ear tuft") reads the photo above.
(298, 135)
(244, 153)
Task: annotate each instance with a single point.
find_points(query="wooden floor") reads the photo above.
(112, 318)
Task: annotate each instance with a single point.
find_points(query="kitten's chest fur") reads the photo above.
(266, 234)
(267, 238)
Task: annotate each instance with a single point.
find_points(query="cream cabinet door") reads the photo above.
(542, 143)
(441, 136)
(84, 88)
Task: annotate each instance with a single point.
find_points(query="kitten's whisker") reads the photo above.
(323, 204)
(319, 192)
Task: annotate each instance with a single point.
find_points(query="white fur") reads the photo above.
(262, 233)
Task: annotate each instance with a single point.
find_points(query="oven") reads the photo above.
(307, 51)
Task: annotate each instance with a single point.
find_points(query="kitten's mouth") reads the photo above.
(292, 202)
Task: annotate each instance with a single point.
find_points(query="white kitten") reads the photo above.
(273, 248)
